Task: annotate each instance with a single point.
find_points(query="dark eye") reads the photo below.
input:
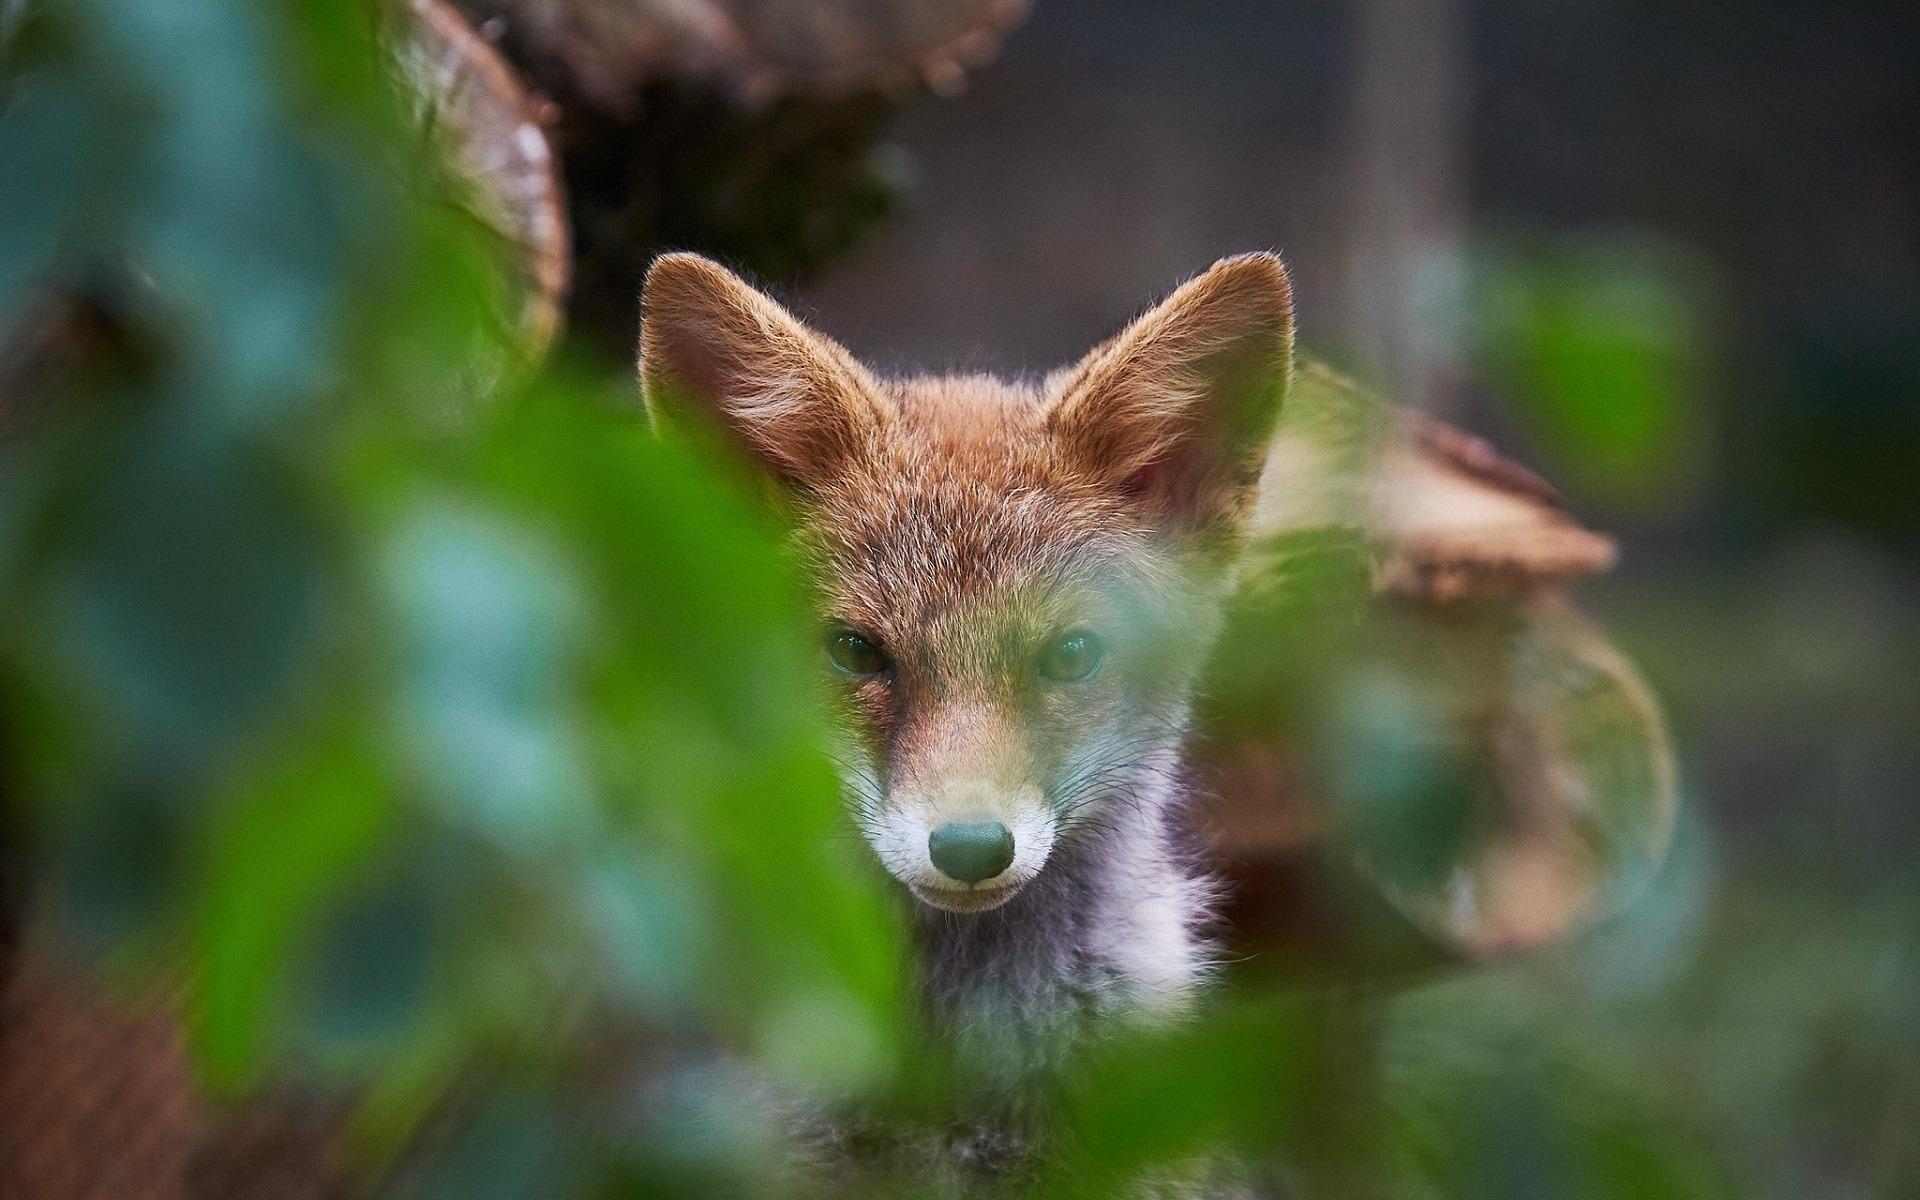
(1073, 657)
(855, 655)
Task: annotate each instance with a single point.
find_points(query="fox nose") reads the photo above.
(971, 850)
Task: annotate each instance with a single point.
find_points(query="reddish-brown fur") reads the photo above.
(964, 525)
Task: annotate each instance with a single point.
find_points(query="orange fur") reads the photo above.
(794, 397)
(963, 524)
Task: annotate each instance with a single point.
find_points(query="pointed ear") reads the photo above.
(1177, 411)
(709, 341)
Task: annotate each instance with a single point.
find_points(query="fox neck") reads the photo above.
(1110, 930)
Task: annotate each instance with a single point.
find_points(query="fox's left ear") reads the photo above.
(791, 396)
(1177, 411)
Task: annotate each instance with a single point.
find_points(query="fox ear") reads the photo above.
(1177, 411)
(710, 341)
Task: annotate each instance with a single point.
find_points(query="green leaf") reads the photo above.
(301, 825)
(1602, 347)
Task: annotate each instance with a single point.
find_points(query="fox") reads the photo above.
(1017, 583)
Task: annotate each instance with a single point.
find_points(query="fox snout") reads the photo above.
(964, 845)
(971, 851)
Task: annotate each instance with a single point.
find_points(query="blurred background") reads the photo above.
(370, 679)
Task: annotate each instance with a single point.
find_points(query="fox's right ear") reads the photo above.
(709, 341)
(1177, 411)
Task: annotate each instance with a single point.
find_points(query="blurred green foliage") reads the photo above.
(1601, 344)
(425, 746)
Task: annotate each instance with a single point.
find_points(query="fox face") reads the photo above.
(1015, 583)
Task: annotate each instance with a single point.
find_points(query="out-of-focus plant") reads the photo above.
(427, 749)
(1604, 347)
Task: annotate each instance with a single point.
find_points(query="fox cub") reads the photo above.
(1017, 582)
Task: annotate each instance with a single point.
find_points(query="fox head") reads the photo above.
(1016, 582)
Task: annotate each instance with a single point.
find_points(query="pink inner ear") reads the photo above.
(1141, 482)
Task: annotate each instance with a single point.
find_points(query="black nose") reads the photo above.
(971, 850)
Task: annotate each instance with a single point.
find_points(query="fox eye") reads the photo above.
(1072, 657)
(853, 654)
